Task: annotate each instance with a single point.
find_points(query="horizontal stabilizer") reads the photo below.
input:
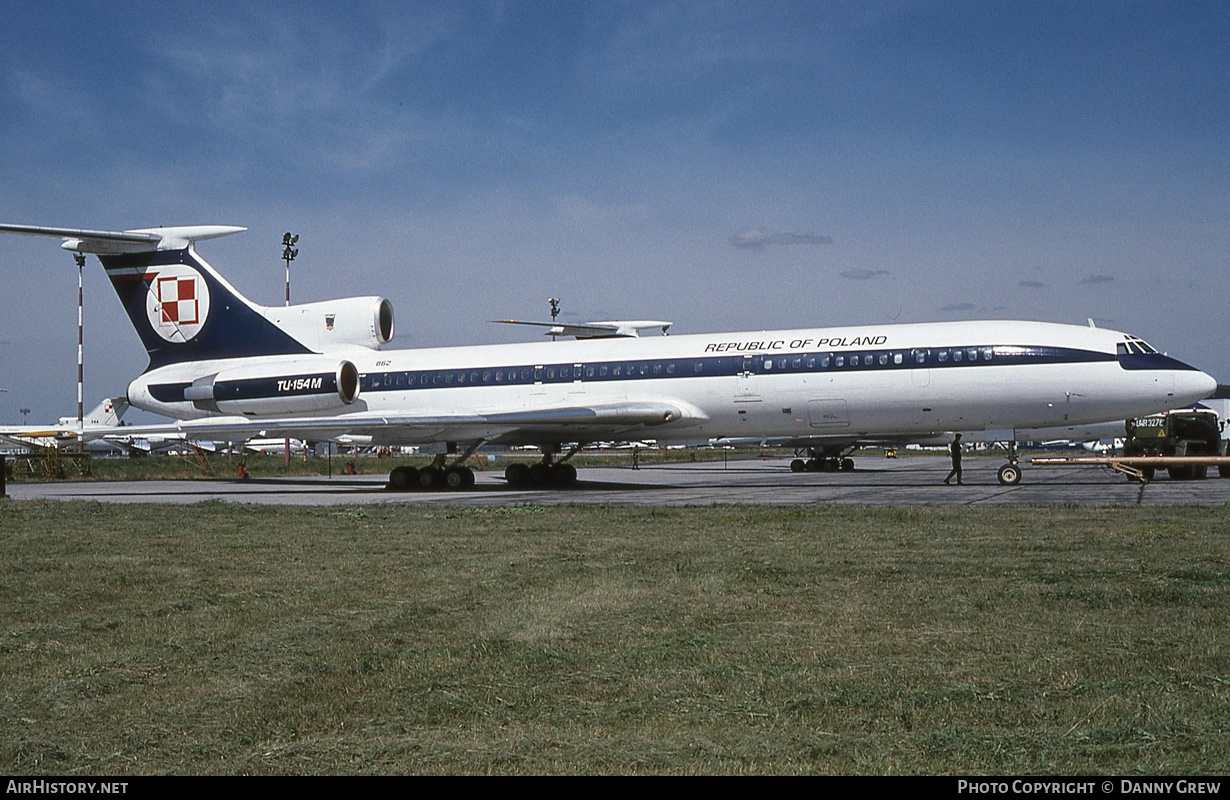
(619, 328)
(144, 240)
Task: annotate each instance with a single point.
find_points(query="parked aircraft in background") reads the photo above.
(103, 418)
(229, 368)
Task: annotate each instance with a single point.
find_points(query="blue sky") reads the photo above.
(726, 166)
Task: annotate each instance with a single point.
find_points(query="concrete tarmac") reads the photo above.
(913, 480)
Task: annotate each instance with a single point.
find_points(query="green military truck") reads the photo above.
(1187, 432)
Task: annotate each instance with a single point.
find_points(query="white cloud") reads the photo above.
(755, 239)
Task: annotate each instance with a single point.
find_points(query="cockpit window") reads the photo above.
(1131, 345)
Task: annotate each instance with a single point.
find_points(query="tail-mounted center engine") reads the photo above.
(329, 324)
(296, 386)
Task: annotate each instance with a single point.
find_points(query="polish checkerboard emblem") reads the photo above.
(177, 303)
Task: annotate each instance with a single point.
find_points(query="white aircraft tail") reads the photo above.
(183, 310)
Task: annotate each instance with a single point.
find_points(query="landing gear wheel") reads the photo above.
(1009, 475)
(564, 474)
(430, 477)
(403, 479)
(539, 474)
(847, 465)
(459, 478)
(517, 474)
(798, 465)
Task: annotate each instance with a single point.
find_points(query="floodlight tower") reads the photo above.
(80, 259)
(289, 251)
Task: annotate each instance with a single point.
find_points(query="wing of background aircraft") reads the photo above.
(611, 329)
(102, 419)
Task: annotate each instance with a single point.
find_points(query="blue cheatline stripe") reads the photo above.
(860, 361)
(1136, 361)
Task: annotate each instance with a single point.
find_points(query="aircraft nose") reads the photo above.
(1193, 386)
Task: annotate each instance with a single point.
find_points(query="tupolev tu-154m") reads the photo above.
(228, 368)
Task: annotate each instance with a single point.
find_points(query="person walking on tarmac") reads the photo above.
(955, 449)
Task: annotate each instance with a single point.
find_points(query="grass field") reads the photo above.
(221, 638)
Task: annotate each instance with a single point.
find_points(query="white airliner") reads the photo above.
(104, 418)
(229, 368)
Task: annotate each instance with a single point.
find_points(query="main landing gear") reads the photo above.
(824, 460)
(437, 475)
(455, 477)
(547, 472)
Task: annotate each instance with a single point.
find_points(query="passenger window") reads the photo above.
(824, 362)
(987, 352)
(698, 367)
(883, 358)
(898, 358)
(768, 363)
(840, 361)
(499, 376)
(942, 356)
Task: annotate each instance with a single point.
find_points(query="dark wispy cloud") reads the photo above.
(864, 274)
(1095, 279)
(756, 239)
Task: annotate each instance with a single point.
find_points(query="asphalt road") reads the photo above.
(913, 480)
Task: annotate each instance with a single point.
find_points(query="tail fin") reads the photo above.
(106, 414)
(182, 309)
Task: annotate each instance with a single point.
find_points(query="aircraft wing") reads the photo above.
(569, 423)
